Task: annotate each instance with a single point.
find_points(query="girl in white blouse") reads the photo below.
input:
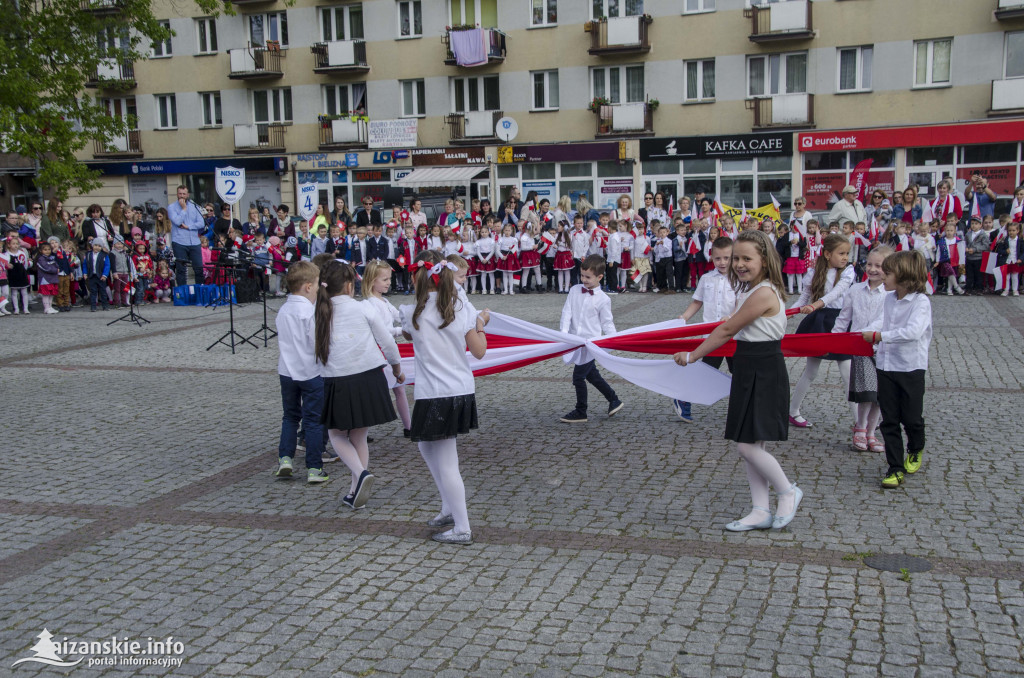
(377, 281)
(349, 340)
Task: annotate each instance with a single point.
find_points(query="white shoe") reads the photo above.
(1005, 293)
(51, 311)
(949, 291)
(1016, 293)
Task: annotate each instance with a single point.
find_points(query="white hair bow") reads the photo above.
(435, 270)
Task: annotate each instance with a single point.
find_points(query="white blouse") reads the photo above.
(762, 328)
(387, 313)
(357, 338)
(862, 308)
(836, 285)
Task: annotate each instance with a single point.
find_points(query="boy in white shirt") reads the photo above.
(588, 313)
(302, 387)
(717, 297)
(579, 243)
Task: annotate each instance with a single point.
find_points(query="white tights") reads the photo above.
(1014, 280)
(350, 446)
(442, 459)
(488, 276)
(563, 281)
(868, 416)
(622, 277)
(22, 294)
(642, 282)
(794, 280)
(763, 470)
(47, 302)
(807, 378)
(402, 405)
(526, 276)
(5, 292)
(471, 284)
(508, 282)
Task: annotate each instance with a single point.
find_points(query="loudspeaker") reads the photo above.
(393, 195)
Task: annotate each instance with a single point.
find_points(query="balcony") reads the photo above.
(340, 56)
(113, 74)
(473, 127)
(469, 47)
(251, 63)
(259, 138)
(783, 110)
(1009, 9)
(1007, 96)
(780, 21)
(619, 35)
(337, 133)
(127, 146)
(101, 7)
(625, 120)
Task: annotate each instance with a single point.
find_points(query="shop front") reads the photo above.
(353, 175)
(441, 173)
(896, 157)
(737, 169)
(598, 172)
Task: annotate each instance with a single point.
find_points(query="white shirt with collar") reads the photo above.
(862, 308)
(906, 333)
(442, 363)
(357, 338)
(587, 316)
(836, 285)
(387, 313)
(296, 339)
(716, 294)
(580, 243)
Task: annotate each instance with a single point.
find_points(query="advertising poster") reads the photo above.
(545, 189)
(823, 190)
(609, 190)
(881, 180)
(1002, 178)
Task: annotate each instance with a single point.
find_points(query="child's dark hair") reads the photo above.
(447, 294)
(831, 242)
(771, 264)
(722, 243)
(299, 274)
(323, 259)
(335, 278)
(595, 264)
(910, 270)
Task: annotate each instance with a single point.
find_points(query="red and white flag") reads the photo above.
(716, 211)
(777, 205)
(1016, 210)
(873, 232)
(995, 241)
(743, 215)
(956, 253)
(927, 214)
(546, 241)
(861, 239)
(975, 208)
(694, 246)
(930, 285)
(988, 262)
(671, 200)
(1001, 274)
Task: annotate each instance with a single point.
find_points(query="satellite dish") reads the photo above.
(506, 129)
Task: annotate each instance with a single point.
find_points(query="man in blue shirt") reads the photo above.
(187, 222)
(978, 189)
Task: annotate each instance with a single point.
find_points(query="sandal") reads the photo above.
(875, 445)
(860, 440)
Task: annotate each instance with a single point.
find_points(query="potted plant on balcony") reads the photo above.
(597, 102)
(652, 105)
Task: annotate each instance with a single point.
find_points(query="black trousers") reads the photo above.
(611, 276)
(901, 400)
(663, 274)
(681, 269)
(574, 274)
(975, 278)
(581, 374)
(548, 266)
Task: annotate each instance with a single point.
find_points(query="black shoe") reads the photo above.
(407, 433)
(369, 439)
(614, 406)
(349, 501)
(362, 492)
(575, 417)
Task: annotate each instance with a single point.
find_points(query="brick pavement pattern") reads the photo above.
(138, 501)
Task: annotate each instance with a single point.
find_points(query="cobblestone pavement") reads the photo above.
(138, 502)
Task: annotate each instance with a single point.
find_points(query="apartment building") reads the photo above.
(392, 97)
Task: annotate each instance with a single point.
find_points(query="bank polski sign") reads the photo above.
(392, 133)
(308, 199)
(229, 183)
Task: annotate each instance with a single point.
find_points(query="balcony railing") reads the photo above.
(249, 63)
(101, 7)
(340, 56)
(783, 110)
(473, 126)
(619, 35)
(113, 74)
(337, 133)
(259, 138)
(127, 146)
(1007, 96)
(788, 20)
(478, 46)
(1009, 9)
(625, 120)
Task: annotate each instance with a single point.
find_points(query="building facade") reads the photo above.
(391, 97)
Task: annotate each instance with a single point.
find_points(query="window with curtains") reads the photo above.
(272, 105)
(344, 22)
(344, 99)
(545, 90)
(410, 19)
(619, 84)
(475, 94)
(543, 12)
(615, 8)
(769, 74)
(700, 80)
(166, 111)
(855, 68)
(413, 98)
(696, 6)
(210, 103)
(272, 26)
(1014, 63)
(932, 62)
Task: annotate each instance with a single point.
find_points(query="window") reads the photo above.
(341, 23)
(111, 39)
(272, 105)
(616, 8)
(264, 27)
(166, 112)
(210, 102)
(931, 62)
(344, 99)
(769, 74)
(162, 49)
(545, 90)
(413, 99)
(1014, 66)
(695, 6)
(410, 19)
(206, 35)
(609, 83)
(700, 80)
(475, 94)
(122, 109)
(855, 68)
(543, 12)
(482, 13)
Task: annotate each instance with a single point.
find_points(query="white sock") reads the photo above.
(445, 456)
(810, 373)
(47, 303)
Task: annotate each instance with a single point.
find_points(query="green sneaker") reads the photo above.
(893, 479)
(913, 462)
(316, 475)
(284, 468)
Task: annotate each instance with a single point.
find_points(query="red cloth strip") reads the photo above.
(674, 333)
(495, 369)
(793, 345)
(493, 341)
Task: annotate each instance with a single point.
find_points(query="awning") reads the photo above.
(441, 176)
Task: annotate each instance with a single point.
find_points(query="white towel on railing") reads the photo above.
(469, 47)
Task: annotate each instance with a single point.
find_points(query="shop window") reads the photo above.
(538, 170)
(576, 169)
(613, 168)
(700, 166)
(879, 158)
(577, 189)
(736, 190)
(508, 171)
(780, 186)
(743, 165)
(692, 185)
(775, 163)
(931, 155)
(650, 167)
(825, 161)
(987, 153)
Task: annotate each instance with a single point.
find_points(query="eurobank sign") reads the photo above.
(962, 134)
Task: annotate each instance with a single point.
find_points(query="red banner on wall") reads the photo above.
(881, 180)
(1003, 131)
(823, 190)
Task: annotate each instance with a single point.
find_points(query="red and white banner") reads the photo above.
(858, 179)
(956, 254)
(988, 262)
(1001, 274)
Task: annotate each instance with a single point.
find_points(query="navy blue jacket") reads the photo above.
(102, 265)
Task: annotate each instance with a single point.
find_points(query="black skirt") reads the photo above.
(821, 322)
(863, 380)
(442, 418)
(759, 394)
(357, 401)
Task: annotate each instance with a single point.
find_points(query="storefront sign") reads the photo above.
(204, 166)
(1001, 179)
(351, 160)
(426, 157)
(399, 173)
(391, 133)
(545, 189)
(609, 190)
(361, 176)
(910, 137)
(559, 152)
(823, 190)
(733, 146)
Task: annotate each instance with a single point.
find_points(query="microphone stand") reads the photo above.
(131, 316)
(264, 329)
(229, 337)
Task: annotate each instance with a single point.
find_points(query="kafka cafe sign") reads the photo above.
(731, 146)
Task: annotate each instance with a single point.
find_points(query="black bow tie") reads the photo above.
(588, 291)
